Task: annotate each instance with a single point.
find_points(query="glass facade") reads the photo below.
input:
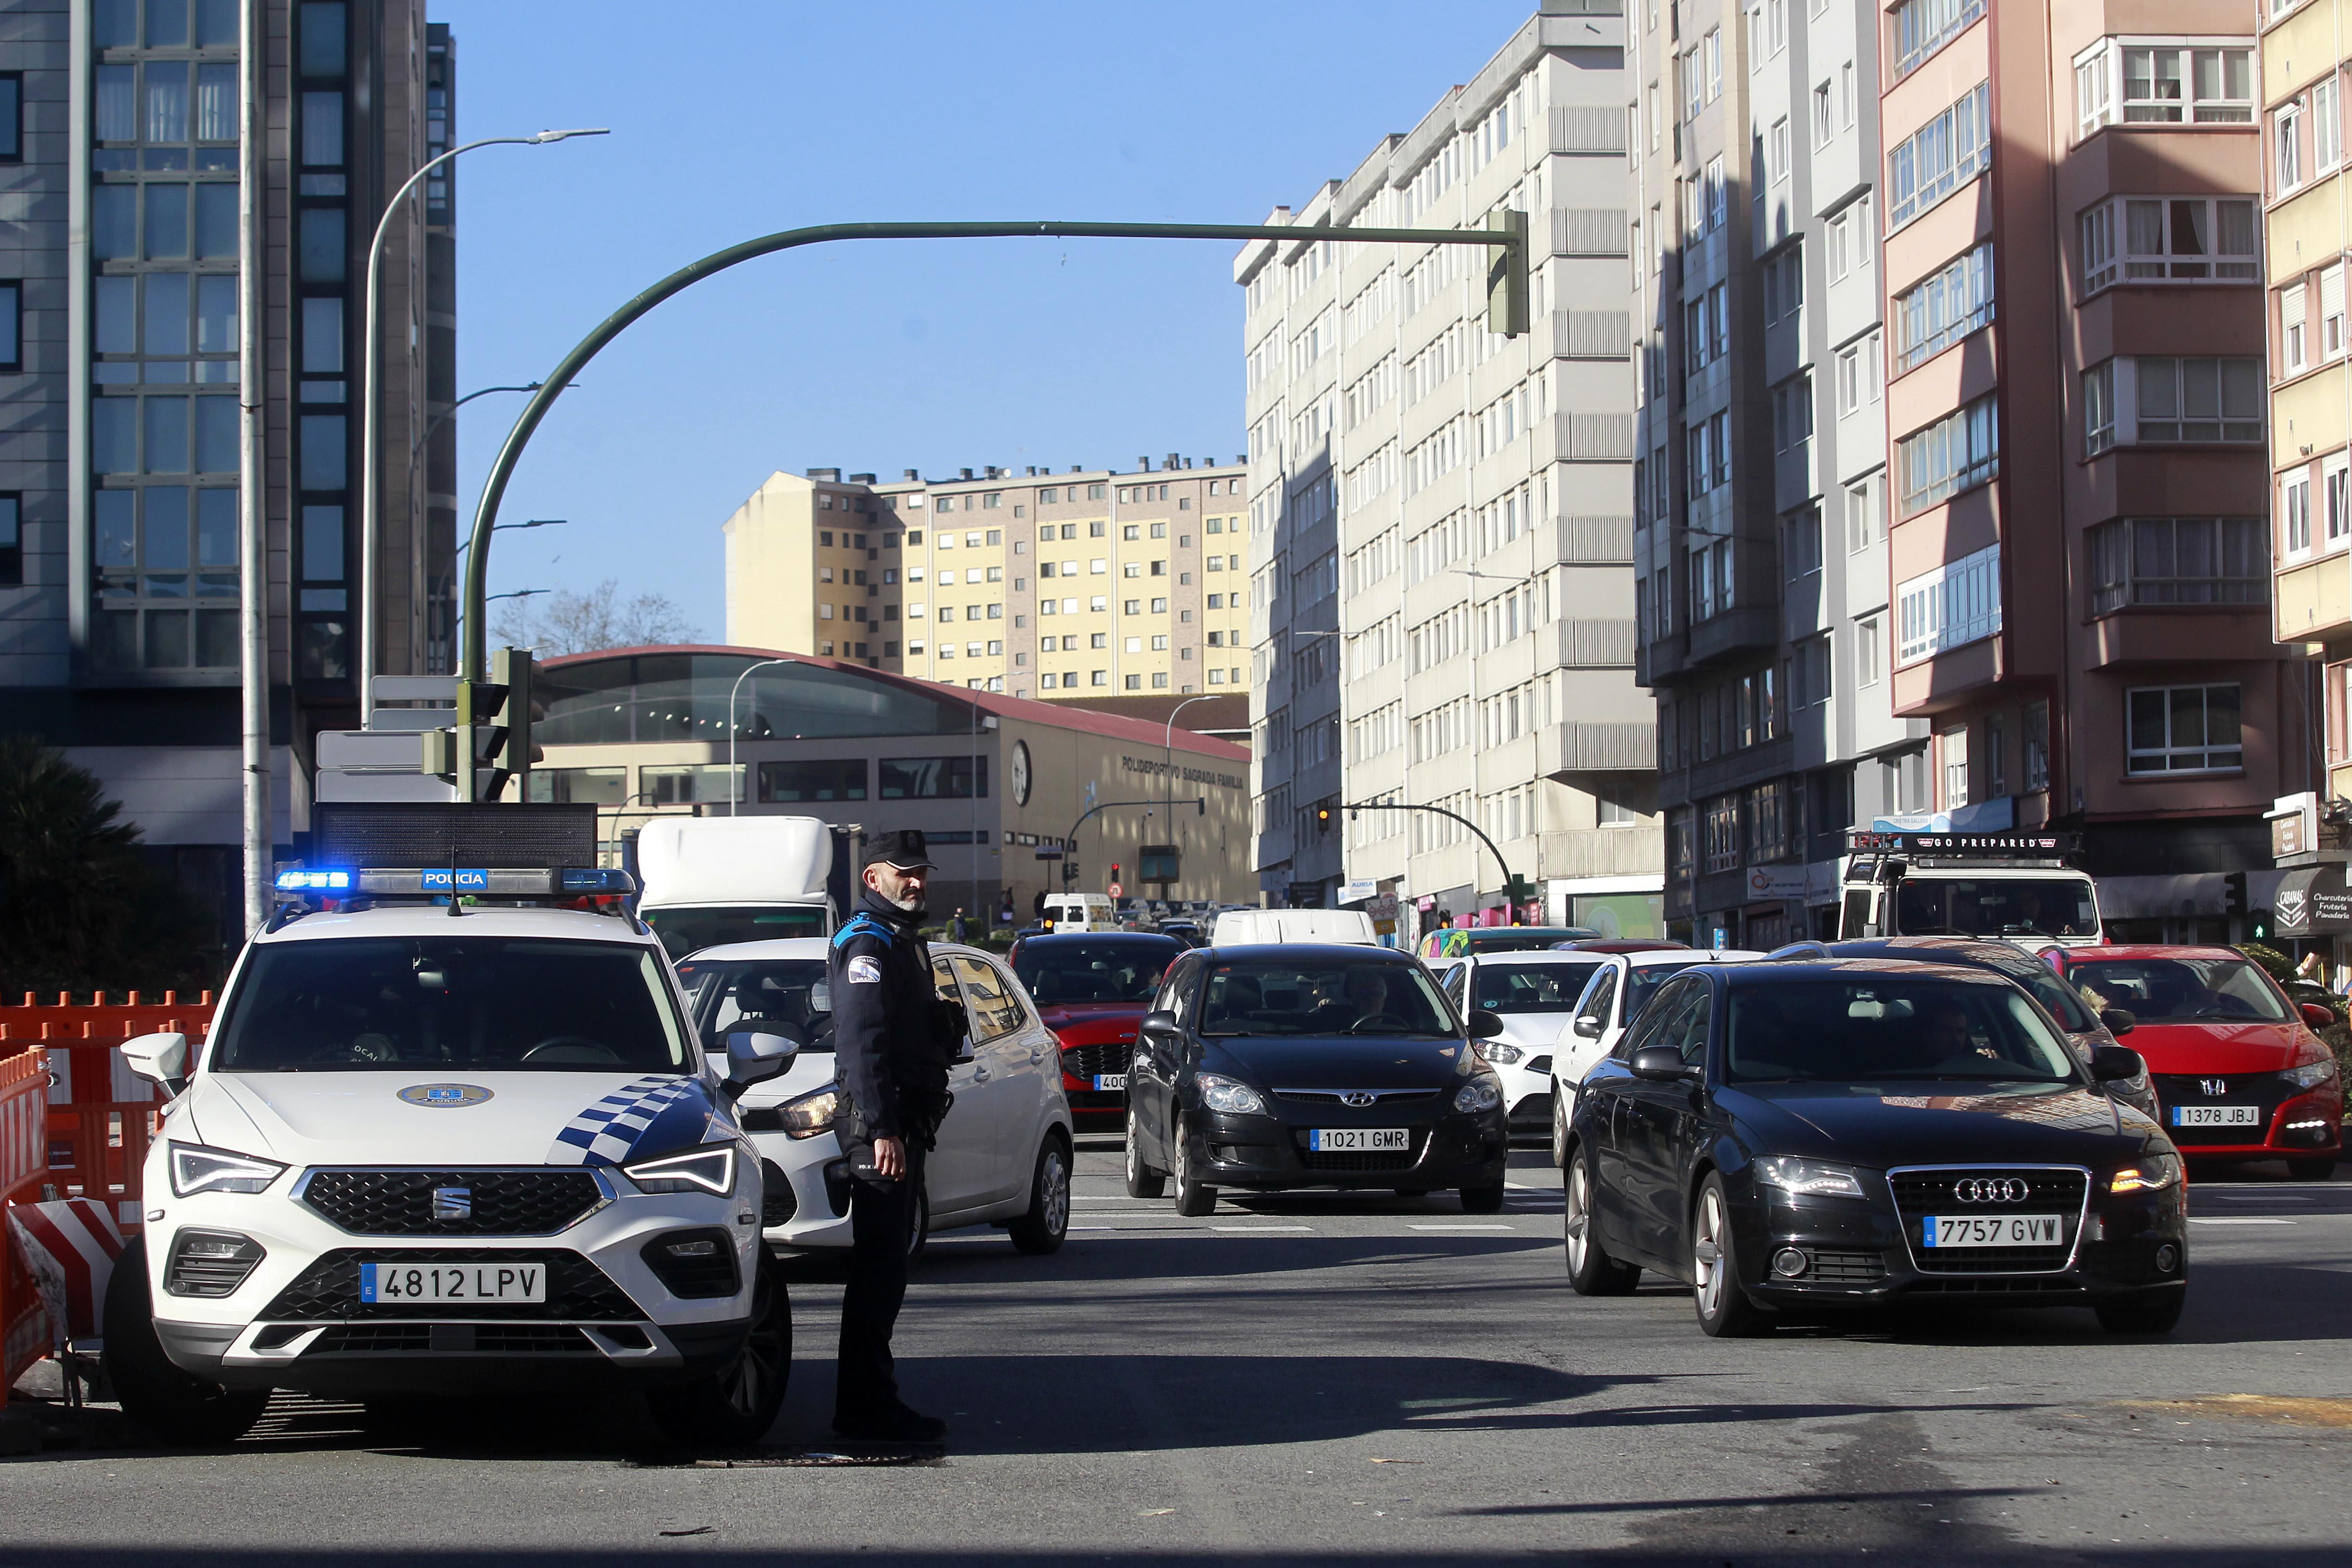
(686, 697)
(327, 319)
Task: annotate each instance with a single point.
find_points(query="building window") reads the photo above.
(1939, 157)
(1723, 833)
(12, 117)
(2295, 346)
(1868, 638)
(12, 540)
(2287, 138)
(1862, 520)
(2185, 730)
(841, 778)
(1923, 27)
(2294, 513)
(2098, 408)
(1950, 605)
(2037, 746)
(12, 326)
(2171, 239)
(2327, 126)
(1959, 450)
(1955, 746)
(1768, 820)
(2196, 400)
(2183, 561)
(2117, 81)
(1946, 308)
(1792, 413)
(932, 778)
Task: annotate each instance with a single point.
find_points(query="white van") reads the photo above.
(1079, 911)
(1243, 927)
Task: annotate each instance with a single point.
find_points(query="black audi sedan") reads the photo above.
(1800, 1136)
(1311, 1065)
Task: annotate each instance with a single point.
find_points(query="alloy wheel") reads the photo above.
(1578, 1221)
(1054, 1191)
(1707, 1254)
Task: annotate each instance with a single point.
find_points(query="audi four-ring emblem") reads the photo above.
(1992, 1190)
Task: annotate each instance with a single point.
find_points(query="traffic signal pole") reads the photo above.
(1199, 802)
(1512, 885)
(1504, 239)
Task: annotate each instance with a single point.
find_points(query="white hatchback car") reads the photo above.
(1617, 991)
(1004, 1155)
(1533, 993)
(426, 1152)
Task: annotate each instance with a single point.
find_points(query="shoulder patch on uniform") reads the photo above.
(865, 970)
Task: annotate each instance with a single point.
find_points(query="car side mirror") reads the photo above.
(2318, 1017)
(1484, 1025)
(1658, 1064)
(2113, 1063)
(1587, 1025)
(1159, 1023)
(2119, 1021)
(754, 1058)
(158, 1058)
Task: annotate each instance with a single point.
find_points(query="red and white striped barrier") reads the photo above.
(25, 1333)
(69, 1247)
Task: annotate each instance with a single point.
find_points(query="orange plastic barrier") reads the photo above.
(100, 1116)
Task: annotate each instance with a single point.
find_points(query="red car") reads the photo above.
(2238, 1071)
(1091, 989)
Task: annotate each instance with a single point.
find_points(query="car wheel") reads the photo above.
(176, 1406)
(1559, 1124)
(1143, 1181)
(1483, 1200)
(1591, 1270)
(1724, 1310)
(2311, 1170)
(1042, 1228)
(735, 1406)
(1192, 1199)
(2156, 1312)
(919, 1231)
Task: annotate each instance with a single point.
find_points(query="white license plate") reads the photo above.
(1360, 1141)
(390, 1281)
(2216, 1116)
(1111, 1080)
(1994, 1230)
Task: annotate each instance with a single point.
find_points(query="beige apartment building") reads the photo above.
(1127, 592)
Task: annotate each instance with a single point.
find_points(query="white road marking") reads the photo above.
(1261, 1229)
(1462, 1227)
(2236, 1219)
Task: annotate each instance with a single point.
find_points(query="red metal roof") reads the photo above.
(1029, 711)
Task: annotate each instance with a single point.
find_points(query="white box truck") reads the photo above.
(2020, 886)
(714, 879)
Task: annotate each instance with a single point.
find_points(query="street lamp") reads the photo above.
(372, 379)
(735, 779)
(1167, 743)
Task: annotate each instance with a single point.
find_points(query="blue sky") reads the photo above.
(734, 120)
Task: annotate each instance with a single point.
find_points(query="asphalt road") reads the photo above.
(1352, 1380)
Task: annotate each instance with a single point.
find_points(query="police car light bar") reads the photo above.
(510, 881)
(1971, 846)
(319, 881)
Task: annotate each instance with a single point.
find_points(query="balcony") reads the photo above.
(1596, 643)
(2314, 599)
(1736, 633)
(1602, 852)
(1583, 752)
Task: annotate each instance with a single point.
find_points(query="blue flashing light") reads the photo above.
(595, 879)
(314, 881)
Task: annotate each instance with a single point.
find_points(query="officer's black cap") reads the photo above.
(903, 849)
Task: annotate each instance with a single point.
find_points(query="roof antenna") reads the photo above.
(455, 912)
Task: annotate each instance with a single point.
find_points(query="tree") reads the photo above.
(80, 909)
(579, 623)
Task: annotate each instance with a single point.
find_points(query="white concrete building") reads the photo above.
(1442, 530)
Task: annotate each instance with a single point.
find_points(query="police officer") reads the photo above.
(893, 1040)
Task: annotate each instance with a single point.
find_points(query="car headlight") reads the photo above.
(1478, 1094)
(709, 1169)
(809, 1113)
(1225, 1095)
(2310, 1074)
(2152, 1174)
(1500, 1051)
(196, 1169)
(1808, 1178)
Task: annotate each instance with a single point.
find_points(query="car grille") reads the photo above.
(1833, 1265)
(538, 1201)
(1337, 1096)
(1362, 1162)
(576, 1288)
(1535, 1111)
(1919, 1193)
(2261, 1089)
(1090, 1062)
(486, 1339)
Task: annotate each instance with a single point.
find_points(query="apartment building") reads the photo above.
(1125, 592)
(2073, 273)
(120, 132)
(1759, 517)
(1440, 527)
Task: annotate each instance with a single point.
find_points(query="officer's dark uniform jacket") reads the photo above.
(893, 1038)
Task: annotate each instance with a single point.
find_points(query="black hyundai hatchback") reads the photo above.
(1311, 1065)
(1798, 1136)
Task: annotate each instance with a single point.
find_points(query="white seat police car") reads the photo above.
(451, 1147)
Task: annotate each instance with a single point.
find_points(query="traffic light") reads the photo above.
(1507, 275)
(1114, 871)
(493, 741)
(1322, 819)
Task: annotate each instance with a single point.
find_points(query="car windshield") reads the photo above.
(1323, 996)
(482, 1004)
(1880, 1028)
(1529, 987)
(691, 930)
(785, 997)
(2179, 990)
(1059, 973)
(1641, 982)
(2008, 906)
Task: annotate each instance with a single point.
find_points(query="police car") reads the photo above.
(444, 1140)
